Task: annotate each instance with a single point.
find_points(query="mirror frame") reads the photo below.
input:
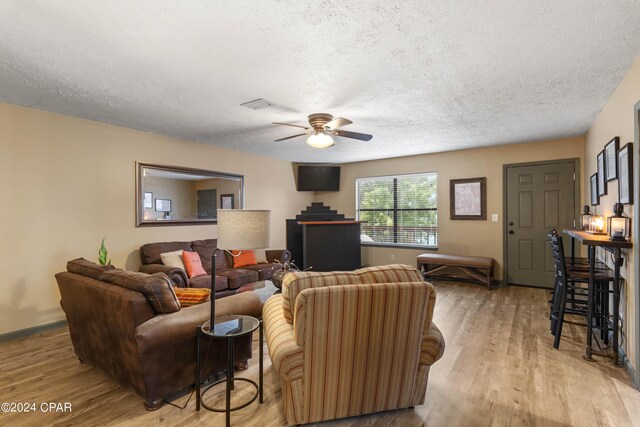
(139, 201)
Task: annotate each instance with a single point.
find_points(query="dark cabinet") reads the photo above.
(324, 240)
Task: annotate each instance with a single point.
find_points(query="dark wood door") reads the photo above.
(539, 199)
(207, 204)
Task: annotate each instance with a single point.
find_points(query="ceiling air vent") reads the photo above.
(257, 104)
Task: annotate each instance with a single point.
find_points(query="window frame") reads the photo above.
(395, 210)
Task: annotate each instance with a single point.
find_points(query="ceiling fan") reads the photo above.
(322, 127)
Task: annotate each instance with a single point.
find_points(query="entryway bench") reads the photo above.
(469, 267)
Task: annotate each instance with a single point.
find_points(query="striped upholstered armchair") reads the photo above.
(352, 343)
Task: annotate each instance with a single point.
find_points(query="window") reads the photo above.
(398, 210)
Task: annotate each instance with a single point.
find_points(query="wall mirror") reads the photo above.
(173, 195)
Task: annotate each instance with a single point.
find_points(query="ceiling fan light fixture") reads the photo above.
(320, 140)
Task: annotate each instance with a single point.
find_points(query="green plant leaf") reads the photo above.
(103, 254)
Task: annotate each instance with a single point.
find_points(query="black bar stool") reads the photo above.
(570, 289)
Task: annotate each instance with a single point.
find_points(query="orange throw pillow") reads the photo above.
(242, 258)
(193, 264)
(192, 296)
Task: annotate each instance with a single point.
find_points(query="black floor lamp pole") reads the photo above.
(213, 288)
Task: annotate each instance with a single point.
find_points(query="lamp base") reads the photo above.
(617, 239)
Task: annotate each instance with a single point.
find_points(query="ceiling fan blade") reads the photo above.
(289, 137)
(338, 122)
(354, 135)
(289, 124)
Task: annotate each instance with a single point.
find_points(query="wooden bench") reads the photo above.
(470, 267)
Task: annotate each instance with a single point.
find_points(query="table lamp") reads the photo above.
(240, 229)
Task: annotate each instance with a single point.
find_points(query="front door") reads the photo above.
(539, 198)
(207, 204)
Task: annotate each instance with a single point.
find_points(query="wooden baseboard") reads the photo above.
(630, 370)
(10, 336)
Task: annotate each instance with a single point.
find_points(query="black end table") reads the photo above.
(228, 328)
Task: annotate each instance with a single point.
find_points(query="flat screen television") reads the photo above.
(318, 178)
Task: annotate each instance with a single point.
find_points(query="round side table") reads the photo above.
(228, 328)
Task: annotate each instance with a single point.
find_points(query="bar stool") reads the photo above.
(568, 289)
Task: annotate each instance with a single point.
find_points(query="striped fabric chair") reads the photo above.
(352, 343)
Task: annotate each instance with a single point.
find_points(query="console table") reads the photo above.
(592, 241)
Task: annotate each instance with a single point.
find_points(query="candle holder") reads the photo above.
(585, 218)
(596, 225)
(619, 224)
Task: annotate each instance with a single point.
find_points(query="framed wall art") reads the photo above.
(468, 198)
(226, 201)
(163, 205)
(148, 200)
(625, 174)
(595, 199)
(611, 158)
(602, 174)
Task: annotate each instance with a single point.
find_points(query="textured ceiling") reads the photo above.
(420, 76)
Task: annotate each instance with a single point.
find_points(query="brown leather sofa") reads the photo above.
(131, 326)
(228, 279)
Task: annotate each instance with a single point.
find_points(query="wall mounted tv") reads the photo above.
(318, 178)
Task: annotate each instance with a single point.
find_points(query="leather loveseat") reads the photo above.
(131, 326)
(228, 279)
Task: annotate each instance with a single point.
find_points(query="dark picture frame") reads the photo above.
(625, 174)
(162, 205)
(227, 201)
(148, 200)
(468, 198)
(602, 173)
(611, 158)
(595, 199)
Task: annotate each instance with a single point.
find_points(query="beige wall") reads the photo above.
(181, 192)
(617, 119)
(460, 237)
(222, 186)
(66, 183)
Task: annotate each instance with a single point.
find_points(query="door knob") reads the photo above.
(510, 231)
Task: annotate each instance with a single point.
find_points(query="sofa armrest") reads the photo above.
(177, 275)
(167, 329)
(432, 347)
(286, 356)
(281, 255)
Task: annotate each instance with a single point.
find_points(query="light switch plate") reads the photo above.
(494, 217)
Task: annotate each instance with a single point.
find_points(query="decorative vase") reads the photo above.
(279, 274)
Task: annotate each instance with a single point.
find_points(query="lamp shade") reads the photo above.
(243, 229)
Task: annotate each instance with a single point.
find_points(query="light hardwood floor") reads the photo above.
(499, 368)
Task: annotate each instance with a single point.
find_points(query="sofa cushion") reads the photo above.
(150, 253)
(243, 257)
(87, 268)
(192, 296)
(205, 282)
(261, 255)
(155, 287)
(193, 264)
(239, 277)
(294, 283)
(173, 259)
(205, 249)
(265, 270)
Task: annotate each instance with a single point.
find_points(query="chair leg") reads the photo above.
(562, 297)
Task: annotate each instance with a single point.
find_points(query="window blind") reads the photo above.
(398, 210)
